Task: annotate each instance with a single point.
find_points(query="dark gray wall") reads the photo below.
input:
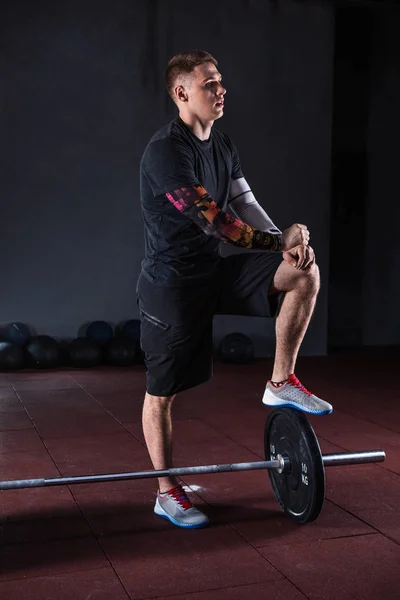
(83, 92)
(381, 304)
(364, 290)
(351, 97)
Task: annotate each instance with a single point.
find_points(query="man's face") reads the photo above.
(204, 96)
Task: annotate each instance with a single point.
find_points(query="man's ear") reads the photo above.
(181, 94)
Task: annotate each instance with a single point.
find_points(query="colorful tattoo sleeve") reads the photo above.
(196, 204)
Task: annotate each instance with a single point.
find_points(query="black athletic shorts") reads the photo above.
(176, 322)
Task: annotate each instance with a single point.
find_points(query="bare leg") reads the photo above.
(301, 289)
(157, 429)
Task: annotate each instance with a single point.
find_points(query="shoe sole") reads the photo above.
(166, 516)
(272, 401)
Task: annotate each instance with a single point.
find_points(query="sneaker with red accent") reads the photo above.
(293, 393)
(175, 506)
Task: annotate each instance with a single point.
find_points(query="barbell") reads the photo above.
(295, 465)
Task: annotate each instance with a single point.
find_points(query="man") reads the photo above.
(190, 176)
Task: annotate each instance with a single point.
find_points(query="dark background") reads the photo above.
(312, 105)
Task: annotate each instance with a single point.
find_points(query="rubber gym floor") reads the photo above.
(102, 541)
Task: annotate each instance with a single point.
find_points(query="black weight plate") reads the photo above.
(300, 490)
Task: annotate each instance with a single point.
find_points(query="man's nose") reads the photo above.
(221, 90)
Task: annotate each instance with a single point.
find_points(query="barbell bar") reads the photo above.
(293, 460)
(281, 463)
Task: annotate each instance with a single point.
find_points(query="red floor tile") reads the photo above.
(96, 584)
(78, 423)
(113, 380)
(33, 503)
(129, 376)
(15, 421)
(387, 416)
(45, 381)
(136, 386)
(94, 452)
(36, 504)
(364, 567)
(370, 493)
(181, 561)
(363, 487)
(45, 400)
(193, 441)
(226, 452)
(71, 413)
(327, 447)
(353, 394)
(9, 400)
(96, 374)
(124, 406)
(356, 434)
(276, 590)
(218, 397)
(11, 404)
(42, 530)
(245, 426)
(26, 465)
(90, 455)
(49, 558)
(247, 502)
(21, 441)
(127, 407)
(121, 511)
(343, 378)
(377, 403)
(38, 374)
(363, 402)
(385, 520)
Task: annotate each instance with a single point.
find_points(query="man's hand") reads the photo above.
(294, 236)
(301, 257)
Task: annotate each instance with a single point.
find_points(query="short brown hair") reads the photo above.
(185, 63)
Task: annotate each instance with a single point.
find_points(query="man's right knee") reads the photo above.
(288, 278)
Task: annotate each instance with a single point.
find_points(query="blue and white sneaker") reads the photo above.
(293, 393)
(175, 506)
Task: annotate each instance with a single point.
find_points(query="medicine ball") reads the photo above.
(100, 331)
(42, 352)
(122, 352)
(236, 348)
(11, 356)
(84, 353)
(17, 333)
(130, 329)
